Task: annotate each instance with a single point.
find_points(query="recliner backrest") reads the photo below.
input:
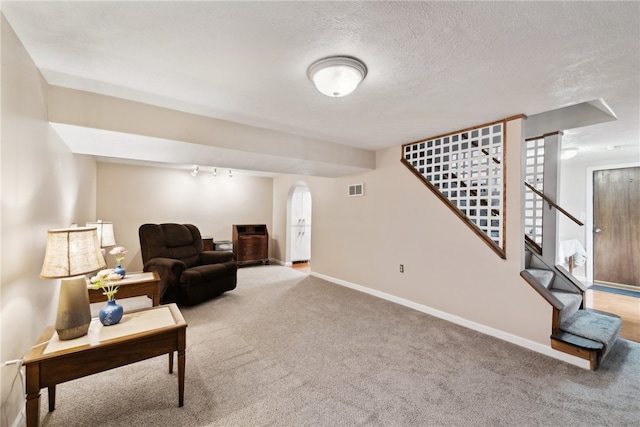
(176, 241)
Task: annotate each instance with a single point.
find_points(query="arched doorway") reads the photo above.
(299, 224)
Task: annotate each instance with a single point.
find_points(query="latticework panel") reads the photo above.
(534, 175)
(466, 170)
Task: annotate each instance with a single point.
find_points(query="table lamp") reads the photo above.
(71, 253)
(106, 237)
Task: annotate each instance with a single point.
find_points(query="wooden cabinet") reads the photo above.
(207, 243)
(251, 243)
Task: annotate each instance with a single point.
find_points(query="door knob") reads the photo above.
(597, 230)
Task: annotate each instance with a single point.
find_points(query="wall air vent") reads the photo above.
(356, 190)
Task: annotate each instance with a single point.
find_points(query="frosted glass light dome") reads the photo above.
(337, 76)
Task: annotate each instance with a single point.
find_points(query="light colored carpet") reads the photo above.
(287, 349)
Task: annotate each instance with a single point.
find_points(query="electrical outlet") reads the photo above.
(401, 268)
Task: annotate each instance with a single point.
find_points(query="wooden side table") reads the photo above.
(133, 285)
(140, 335)
(207, 243)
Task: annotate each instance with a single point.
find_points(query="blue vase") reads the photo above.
(119, 270)
(111, 313)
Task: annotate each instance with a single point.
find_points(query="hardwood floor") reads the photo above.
(304, 267)
(628, 308)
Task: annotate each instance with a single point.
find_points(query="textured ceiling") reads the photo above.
(433, 67)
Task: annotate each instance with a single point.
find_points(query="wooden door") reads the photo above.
(616, 231)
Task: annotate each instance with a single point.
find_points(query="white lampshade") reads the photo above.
(337, 76)
(106, 236)
(71, 252)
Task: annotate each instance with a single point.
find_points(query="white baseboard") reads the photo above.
(505, 336)
(274, 261)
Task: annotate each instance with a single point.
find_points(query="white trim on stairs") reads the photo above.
(514, 339)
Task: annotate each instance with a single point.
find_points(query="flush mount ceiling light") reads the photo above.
(337, 76)
(568, 153)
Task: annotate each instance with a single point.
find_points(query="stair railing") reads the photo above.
(535, 245)
(553, 204)
(465, 170)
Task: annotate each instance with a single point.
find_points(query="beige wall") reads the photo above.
(363, 240)
(44, 186)
(130, 196)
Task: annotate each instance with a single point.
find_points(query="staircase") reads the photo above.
(576, 330)
(465, 169)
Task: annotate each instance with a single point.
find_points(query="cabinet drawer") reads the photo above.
(251, 253)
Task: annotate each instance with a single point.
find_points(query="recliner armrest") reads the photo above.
(215, 257)
(169, 271)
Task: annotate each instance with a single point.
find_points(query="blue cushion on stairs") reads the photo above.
(594, 325)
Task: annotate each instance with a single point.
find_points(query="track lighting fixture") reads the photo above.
(214, 171)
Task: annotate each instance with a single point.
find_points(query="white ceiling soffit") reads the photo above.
(433, 67)
(126, 148)
(119, 128)
(571, 117)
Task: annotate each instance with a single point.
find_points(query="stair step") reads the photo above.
(577, 341)
(571, 301)
(545, 277)
(594, 325)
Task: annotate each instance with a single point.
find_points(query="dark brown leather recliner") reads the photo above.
(188, 275)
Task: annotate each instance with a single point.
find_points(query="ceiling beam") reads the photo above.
(100, 125)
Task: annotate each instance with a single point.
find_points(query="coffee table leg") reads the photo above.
(182, 345)
(171, 362)
(33, 395)
(181, 360)
(52, 398)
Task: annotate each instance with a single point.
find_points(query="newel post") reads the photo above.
(551, 185)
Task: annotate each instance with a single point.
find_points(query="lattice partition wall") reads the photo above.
(534, 175)
(465, 169)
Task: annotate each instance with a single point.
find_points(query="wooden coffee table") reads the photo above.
(133, 285)
(140, 335)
